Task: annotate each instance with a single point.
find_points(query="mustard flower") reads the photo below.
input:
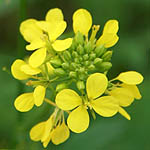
(78, 119)
(47, 131)
(42, 36)
(126, 91)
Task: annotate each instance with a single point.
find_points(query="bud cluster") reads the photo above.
(82, 59)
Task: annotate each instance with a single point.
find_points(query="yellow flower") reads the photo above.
(22, 71)
(127, 90)
(78, 119)
(109, 36)
(46, 132)
(26, 101)
(43, 34)
(82, 21)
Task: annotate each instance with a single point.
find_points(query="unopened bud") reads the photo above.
(76, 60)
(80, 85)
(100, 50)
(105, 66)
(55, 62)
(59, 72)
(86, 63)
(73, 66)
(61, 87)
(97, 62)
(85, 57)
(79, 38)
(107, 56)
(80, 49)
(91, 68)
(75, 54)
(73, 74)
(65, 65)
(88, 47)
(67, 55)
(92, 56)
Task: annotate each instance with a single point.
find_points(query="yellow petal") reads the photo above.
(48, 128)
(43, 25)
(27, 69)
(96, 85)
(105, 106)
(56, 29)
(124, 113)
(130, 77)
(39, 95)
(37, 58)
(30, 30)
(46, 142)
(107, 40)
(82, 21)
(16, 70)
(68, 99)
(61, 45)
(37, 131)
(123, 96)
(134, 90)
(111, 27)
(50, 68)
(78, 120)
(54, 15)
(35, 44)
(60, 134)
(24, 102)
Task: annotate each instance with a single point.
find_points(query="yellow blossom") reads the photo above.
(109, 37)
(46, 131)
(82, 21)
(22, 71)
(127, 91)
(26, 101)
(78, 119)
(43, 34)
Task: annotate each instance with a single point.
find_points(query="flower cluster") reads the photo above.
(74, 70)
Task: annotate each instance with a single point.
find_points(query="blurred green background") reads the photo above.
(132, 52)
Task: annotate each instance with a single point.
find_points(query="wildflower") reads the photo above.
(22, 71)
(47, 131)
(42, 36)
(109, 37)
(126, 91)
(78, 119)
(26, 101)
(82, 21)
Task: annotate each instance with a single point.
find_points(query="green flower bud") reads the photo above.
(80, 50)
(73, 74)
(82, 76)
(97, 62)
(80, 59)
(100, 50)
(73, 66)
(61, 87)
(107, 56)
(59, 72)
(76, 60)
(85, 57)
(92, 56)
(67, 55)
(80, 85)
(79, 39)
(75, 54)
(105, 66)
(65, 65)
(88, 47)
(91, 68)
(81, 70)
(56, 62)
(86, 63)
